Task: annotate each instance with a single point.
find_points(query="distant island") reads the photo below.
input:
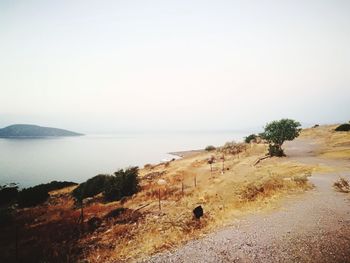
(26, 130)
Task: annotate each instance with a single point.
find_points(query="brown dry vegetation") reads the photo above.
(342, 185)
(141, 228)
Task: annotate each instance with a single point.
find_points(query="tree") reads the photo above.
(277, 132)
(210, 148)
(250, 138)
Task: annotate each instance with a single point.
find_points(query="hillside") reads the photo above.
(242, 202)
(25, 130)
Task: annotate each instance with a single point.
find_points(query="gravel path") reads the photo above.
(314, 227)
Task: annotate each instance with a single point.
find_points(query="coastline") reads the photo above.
(187, 153)
(66, 158)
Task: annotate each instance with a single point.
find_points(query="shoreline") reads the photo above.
(187, 153)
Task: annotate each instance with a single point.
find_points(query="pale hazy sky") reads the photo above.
(186, 65)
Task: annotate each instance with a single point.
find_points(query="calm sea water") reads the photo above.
(33, 161)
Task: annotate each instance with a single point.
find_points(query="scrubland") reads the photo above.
(159, 216)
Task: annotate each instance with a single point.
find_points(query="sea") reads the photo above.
(32, 161)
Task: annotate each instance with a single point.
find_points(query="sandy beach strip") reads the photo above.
(184, 154)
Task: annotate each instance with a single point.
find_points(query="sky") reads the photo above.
(109, 66)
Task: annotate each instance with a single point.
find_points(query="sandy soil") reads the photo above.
(314, 227)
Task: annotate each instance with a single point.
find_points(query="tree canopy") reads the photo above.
(277, 132)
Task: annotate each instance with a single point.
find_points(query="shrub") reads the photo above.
(148, 166)
(8, 194)
(342, 185)
(250, 138)
(124, 183)
(210, 148)
(301, 179)
(343, 127)
(38, 194)
(250, 192)
(32, 196)
(233, 148)
(262, 188)
(116, 212)
(114, 187)
(123, 216)
(56, 185)
(92, 186)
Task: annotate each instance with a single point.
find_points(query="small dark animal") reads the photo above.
(198, 212)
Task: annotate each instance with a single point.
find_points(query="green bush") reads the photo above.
(343, 127)
(114, 187)
(250, 138)
(210, 148)
(124, 183)
(92, 186)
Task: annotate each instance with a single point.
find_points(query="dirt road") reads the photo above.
(313, 227)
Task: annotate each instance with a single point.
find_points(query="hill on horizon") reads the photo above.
(27, 130)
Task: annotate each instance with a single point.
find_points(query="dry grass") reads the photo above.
(342, 185)
(136, 227)
(241, 189)
(332, 144)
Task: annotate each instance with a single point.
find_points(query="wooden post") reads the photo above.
(195, 180)
(160, 208)
(182, 187)
(223, 164)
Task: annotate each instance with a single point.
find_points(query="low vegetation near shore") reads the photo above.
(31, 196)
(157, 213)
